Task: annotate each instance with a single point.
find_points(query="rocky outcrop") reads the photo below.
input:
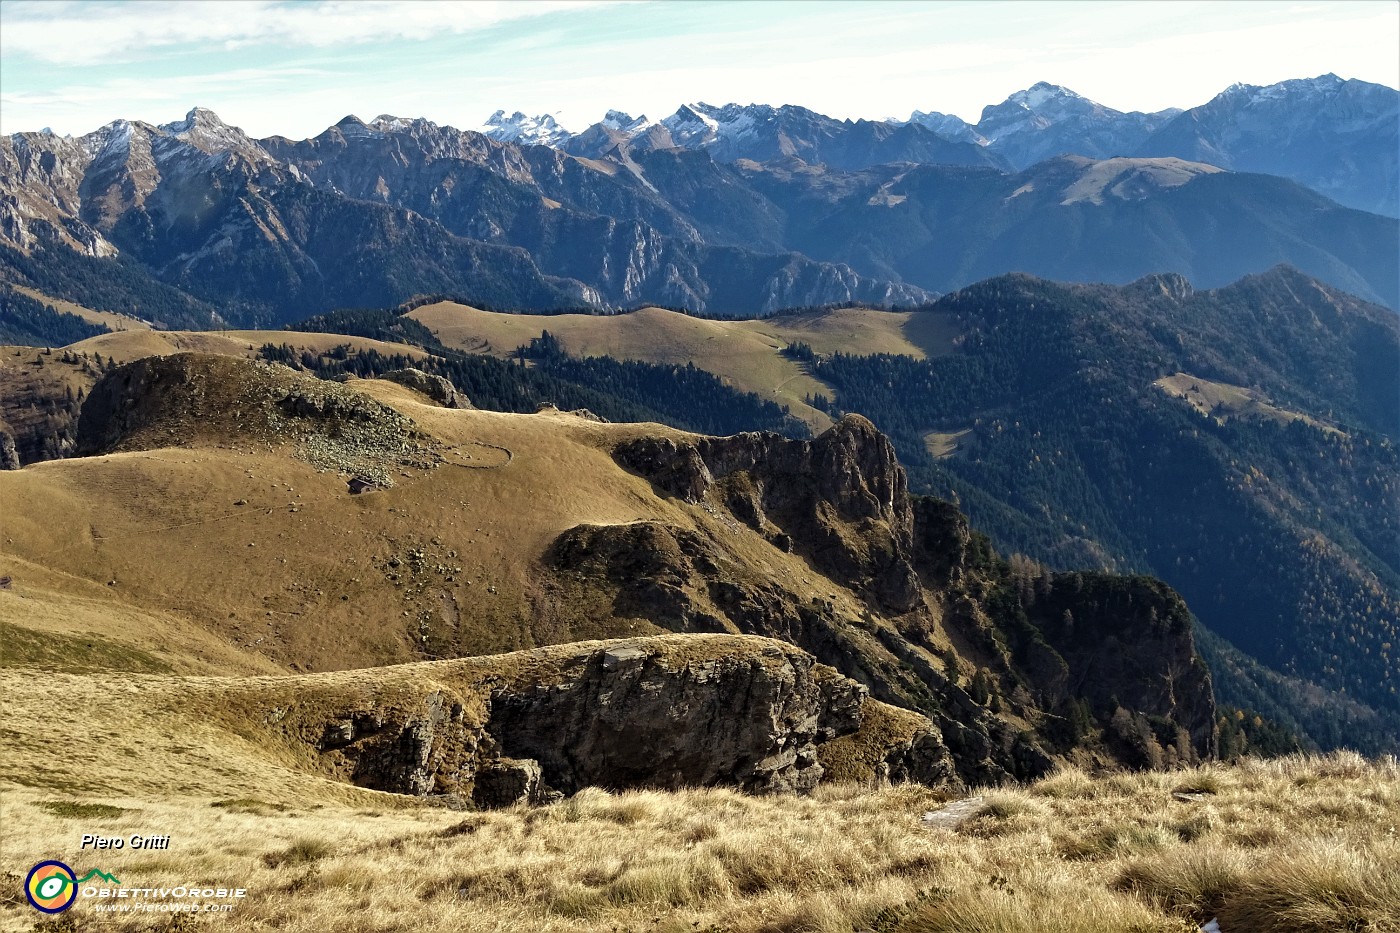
(627, 718)
(842, 499)
(433, 386)
(1123, 645)
(9, 456)
(683, 581)
(1127, 677)
(892, 746)
(673, 711)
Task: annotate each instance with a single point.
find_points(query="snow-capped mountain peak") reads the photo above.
(692, 125)
(1042, 104)
(542, 130)
(1042, 93)
(388, 123)
(626, 124)
(693, 114)
(947, 125)
(1321, 87)
(203, 130)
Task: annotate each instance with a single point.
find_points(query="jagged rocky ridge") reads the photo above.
(723, 210)
(1339, 137)
(371, 215)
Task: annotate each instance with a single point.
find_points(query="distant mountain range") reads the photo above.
(273, 230)
(1339, 137)
(722, 211)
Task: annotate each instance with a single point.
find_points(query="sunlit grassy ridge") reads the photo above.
(745, 353)
(1297, 845)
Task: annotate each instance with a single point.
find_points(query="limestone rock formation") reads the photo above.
(841, 502)
(672, 711)
(627, 718)
(434, 387)
(842, 498)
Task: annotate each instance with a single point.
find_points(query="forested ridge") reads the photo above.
(1281, 533)
(26, 321)
(116, 284)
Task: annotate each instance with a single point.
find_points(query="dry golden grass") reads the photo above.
(1297, 845)
(942, 445)
(1102, 179)
(152, 550)
(134, 344)
(135, 570)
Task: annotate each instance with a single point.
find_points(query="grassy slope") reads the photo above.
(124, 681)
(299, 575)
(1303, 846)
(152, 733)
(1224, 400)
(744, 353)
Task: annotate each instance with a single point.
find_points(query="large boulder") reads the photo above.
(630, 717)
(434, 387)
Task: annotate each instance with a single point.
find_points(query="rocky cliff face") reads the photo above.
(1125, 649)
(672, 712)
(627, 718)
(841, 500)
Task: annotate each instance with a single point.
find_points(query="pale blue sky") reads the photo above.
(295, 68)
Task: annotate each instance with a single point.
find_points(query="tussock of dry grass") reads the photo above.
(1320, 888)
(1294, 845)
(1191, 881)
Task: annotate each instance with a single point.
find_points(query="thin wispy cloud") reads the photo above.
(294, 68)
(123, 31)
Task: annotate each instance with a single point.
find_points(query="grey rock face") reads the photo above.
(812, 491)
(434, 387)
(642, 713)
(629, 719)
(506, 782)
(922, 760)
(841, 502)
(9, 456)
